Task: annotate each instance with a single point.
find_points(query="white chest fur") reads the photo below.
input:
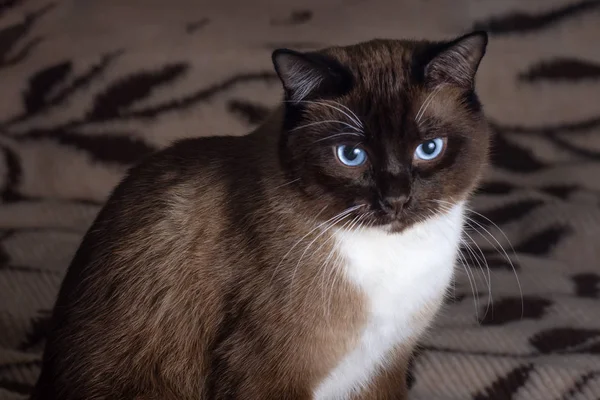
(399, 274)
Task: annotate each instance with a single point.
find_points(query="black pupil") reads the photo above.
(351, 153)
(429, 147)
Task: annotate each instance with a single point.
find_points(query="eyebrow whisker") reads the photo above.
(330, 121)
(427, 102)
(323, 103)
(339, 134)
(356, 120)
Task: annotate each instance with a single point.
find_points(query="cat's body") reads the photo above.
(256, 268)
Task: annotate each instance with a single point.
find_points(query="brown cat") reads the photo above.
(302, 261)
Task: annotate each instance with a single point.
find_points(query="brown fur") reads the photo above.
(195, 282)
(390, 381)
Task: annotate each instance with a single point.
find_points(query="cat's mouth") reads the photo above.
(373, 215)
(393, 222)
(396, 221)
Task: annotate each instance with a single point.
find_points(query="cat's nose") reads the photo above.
(394, 205)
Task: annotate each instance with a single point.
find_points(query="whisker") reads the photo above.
(329, 121)
(461, 259)
(332, 264)
(487, 280)
(427, 102)
(499, 230)
(470, 210)
(481, 262)
(338, 134)
(356, 120)
(330, 106)
(287, 183)
(502, 251)
(473, 289)
(310, 244)
(489, 275)
(347, 211)
(464, 262)
(471, 276)
(337, 264)
(332, 251)
(363, 225)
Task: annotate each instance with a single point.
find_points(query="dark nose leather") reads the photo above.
(393, 205)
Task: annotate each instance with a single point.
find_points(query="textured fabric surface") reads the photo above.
(88, 87)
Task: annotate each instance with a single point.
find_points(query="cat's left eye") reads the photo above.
(430, 149)
(352, 156)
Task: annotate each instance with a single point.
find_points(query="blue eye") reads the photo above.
(430, 149)
(351, 156)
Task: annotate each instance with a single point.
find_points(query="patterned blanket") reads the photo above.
(88, 87)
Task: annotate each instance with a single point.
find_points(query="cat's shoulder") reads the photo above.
(193, 159)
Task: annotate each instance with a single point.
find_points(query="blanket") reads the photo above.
(87, 88)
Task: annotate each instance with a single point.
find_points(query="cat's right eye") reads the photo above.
(430, 149)
(352, 156)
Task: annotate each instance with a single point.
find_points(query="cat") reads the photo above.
(301, 261)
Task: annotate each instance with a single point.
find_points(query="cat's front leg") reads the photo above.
(390, 382)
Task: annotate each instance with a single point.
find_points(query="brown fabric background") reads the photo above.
(88, 87)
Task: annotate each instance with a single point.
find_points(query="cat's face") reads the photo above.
(385, 133)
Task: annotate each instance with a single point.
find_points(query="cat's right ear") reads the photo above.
(458, 61)
(304, 74)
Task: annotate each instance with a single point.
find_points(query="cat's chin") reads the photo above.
(395, 226)
(391, 225)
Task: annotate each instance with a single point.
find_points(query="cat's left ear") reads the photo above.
(305, 74)
(457, 62)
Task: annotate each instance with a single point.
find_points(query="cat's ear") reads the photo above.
(457, 62)
(303, 74)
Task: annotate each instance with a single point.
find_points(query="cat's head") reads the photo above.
(391, 130)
